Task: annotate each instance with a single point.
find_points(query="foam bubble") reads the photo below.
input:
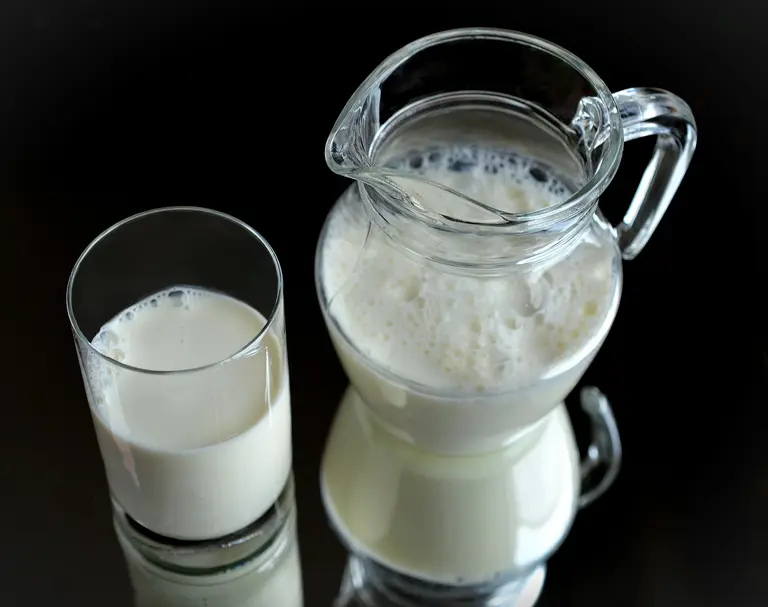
(487, 175)
(450, 331)
(111, 339)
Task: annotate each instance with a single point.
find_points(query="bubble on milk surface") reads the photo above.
(480, 163)
(109, 341)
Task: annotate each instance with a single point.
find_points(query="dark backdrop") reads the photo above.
(107, 109)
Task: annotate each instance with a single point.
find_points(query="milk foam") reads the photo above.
(126, 337)
(505, 181)
(194, 454)
(453, 332)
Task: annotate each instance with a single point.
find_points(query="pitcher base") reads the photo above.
(368, 584)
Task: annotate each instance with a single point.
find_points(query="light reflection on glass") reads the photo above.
(258, 568)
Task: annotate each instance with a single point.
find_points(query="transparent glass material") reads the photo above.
(178, 320)
(365, 584)
(467, 279)
(256, 567)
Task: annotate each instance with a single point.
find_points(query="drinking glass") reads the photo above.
(192, 451)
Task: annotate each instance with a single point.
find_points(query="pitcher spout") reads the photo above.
(348, 145)
(361, 148)
(348, 149)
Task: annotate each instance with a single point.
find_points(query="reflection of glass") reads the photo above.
(468, 280)
(258, 567)
(178, 321)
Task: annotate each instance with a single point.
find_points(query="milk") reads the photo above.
(192, 454)
(452, 458)
(445, 519)
(454, 363)
(270, 579)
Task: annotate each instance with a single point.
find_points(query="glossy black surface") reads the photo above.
(107, 109)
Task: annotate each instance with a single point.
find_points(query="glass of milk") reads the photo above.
(257, 567)
(468, 279)
(177, 315)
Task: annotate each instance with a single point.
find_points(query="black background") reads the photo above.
(108, 108)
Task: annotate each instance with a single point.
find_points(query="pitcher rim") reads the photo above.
(604, 172)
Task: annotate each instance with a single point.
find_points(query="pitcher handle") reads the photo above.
(645, 112)
(605, 449)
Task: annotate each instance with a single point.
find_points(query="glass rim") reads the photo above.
(247, 348)
(614, 143)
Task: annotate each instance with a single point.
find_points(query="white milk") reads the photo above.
(453, 363)
(272, 579)
(451, 520)
(461, 465)
(192, 455)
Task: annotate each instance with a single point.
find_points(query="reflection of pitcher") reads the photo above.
(367, 585)
(468, 280)
(257, 567)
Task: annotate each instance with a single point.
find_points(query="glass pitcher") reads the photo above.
(468, 279)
